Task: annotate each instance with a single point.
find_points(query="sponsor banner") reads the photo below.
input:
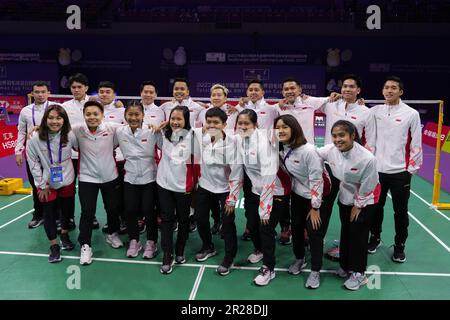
(13, 103)
(429, 134)
(8, 140)
(236, 77)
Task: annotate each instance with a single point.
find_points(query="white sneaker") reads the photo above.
(297, 267)
(85, 255)
(133, 249)
(264, 276)
(313, 281)
(114, 240)
(150, 250)
(255, 257)
(355, 281)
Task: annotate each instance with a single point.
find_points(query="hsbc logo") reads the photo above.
(8, 136)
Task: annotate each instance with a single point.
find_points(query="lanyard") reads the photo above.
(287, 155)
(50, 151)
(32, 113)
(283, 160)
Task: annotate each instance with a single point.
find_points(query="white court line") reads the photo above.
(17, 218)
(430, 205)
(211, 266)
(435, 237)
(13, 203)
(197, 283)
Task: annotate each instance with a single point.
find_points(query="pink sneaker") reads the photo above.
(150, 250)
(133, 249)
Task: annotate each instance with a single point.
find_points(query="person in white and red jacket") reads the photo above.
(154, 116)
(79, 85)
(398, 150)
(266, 114)
(29, 118)
(138, 145)
(180, 92)
(49, 157)
(356, 169)
(176, 179)
(348, 107)
(260, 163)
(311, 185)
(97, 171)
(303, 108)
(219, 176)
(219, 94)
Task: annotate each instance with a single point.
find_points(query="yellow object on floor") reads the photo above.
(23, 191)
(9, 185)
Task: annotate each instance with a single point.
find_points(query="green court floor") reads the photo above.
(26, 274)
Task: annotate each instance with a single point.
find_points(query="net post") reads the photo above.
(29, 98)
(437, 174)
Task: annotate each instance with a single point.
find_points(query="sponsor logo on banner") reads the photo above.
(13, 103)
(446, 144)
(8, 140)
(429, 134)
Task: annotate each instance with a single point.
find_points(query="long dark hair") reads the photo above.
(43, 128)
(348, 127)
(297, 136)
(187, 124)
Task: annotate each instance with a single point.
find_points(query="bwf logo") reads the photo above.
(73, 22)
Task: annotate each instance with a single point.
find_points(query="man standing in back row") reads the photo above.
(398, 150)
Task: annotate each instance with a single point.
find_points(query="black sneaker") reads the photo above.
(123, 227)
(175, 226)
(167, 263)
(246, 235)
(399, 254)
(35, 222)
(141, 225)
(95, 224)
(285, 236)
(105, 228)
(205, 253)
(55, 254)
(216, 228)
(192, 226)
(374, 244)
(66, 244)
(71, 224)
(224, 268)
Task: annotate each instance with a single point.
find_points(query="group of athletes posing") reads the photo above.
(156, 162)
